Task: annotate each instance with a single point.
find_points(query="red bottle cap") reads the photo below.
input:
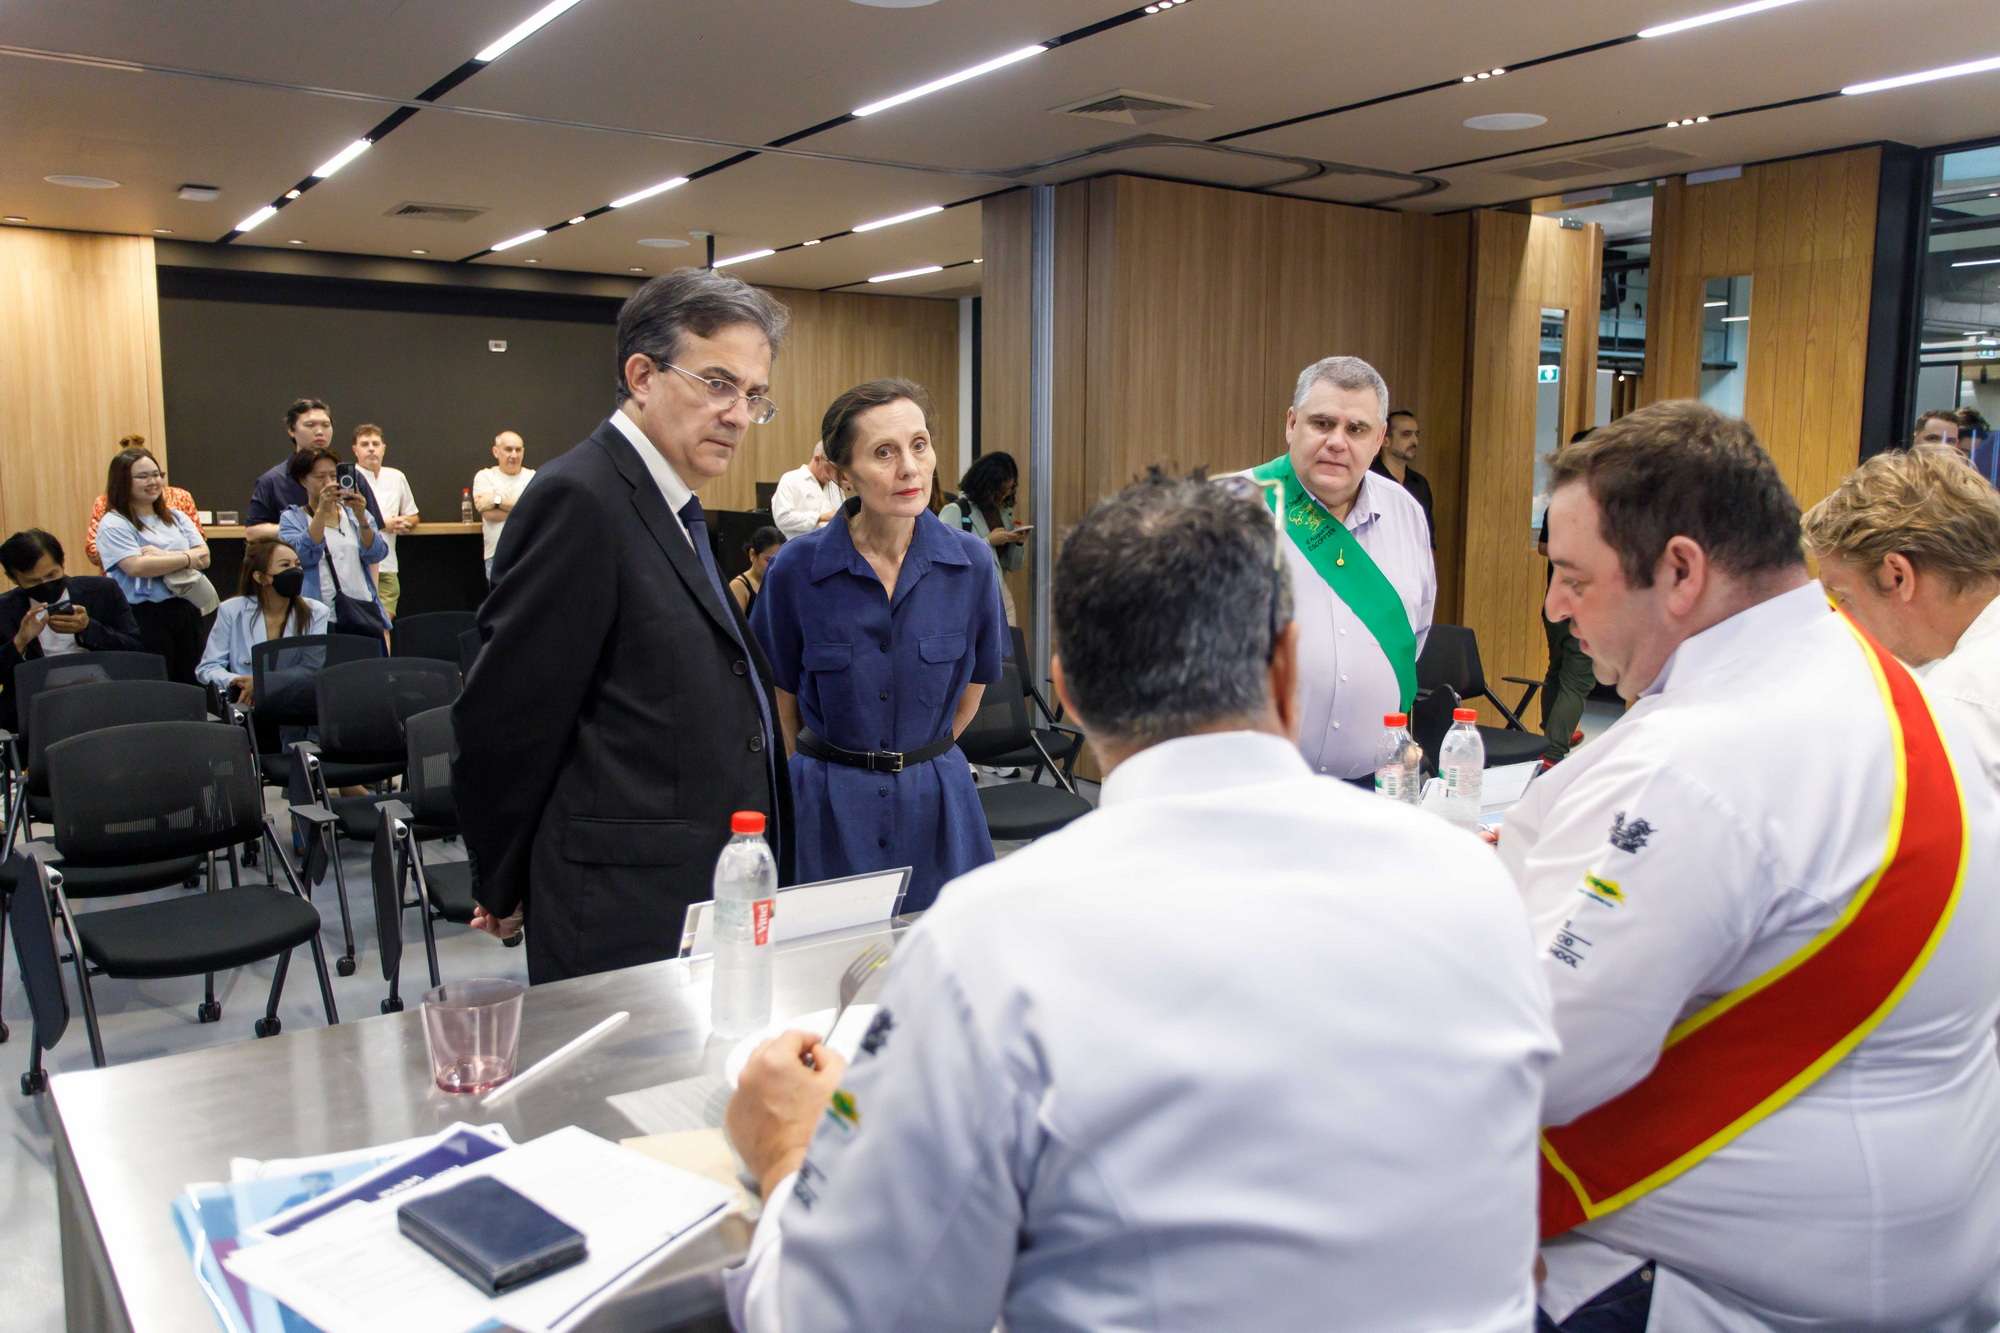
(1395, 719)
(746, 821)
(1457, 715)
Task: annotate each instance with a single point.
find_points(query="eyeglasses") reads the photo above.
(148, 476)
(1247, 487)
(724, 393)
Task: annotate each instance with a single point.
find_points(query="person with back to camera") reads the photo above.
(883, 629)
(762, 549)
(984, 507)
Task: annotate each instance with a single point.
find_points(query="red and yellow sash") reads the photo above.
(1750, 1052)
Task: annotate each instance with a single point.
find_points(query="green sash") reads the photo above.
(1354, 577)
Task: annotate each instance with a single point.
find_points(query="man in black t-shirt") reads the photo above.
(1399, 450)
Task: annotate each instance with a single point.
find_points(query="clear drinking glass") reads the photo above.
(473, 1030)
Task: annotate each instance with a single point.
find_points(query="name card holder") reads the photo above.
(806, 910)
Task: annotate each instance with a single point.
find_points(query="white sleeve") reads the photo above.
(907, 1210)
(483, 497)
(1643, 890)
(795, 507)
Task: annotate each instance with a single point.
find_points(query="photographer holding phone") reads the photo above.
(984, 507)
(308, 425)
(337, 542)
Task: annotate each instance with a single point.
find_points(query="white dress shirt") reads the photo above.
(1242, 1049)
(392, 493)
(491, 486)
(799, 501)
(1969, 678)
(1346, 684)
(1738, 806)
(672, 489)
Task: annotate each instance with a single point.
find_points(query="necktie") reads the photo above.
(696, 523)
(697, 530)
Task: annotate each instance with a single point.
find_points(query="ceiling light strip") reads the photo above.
(1714, 16)
(525, 29)
(1985, 66)
(745, 257)
(952, 80)
(910, 216)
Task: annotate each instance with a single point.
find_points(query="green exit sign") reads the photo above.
(1548, 374)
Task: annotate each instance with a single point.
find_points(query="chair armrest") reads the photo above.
(316, 815)
(1521, 680)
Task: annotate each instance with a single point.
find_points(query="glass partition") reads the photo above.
(1725, 342)
(1959, 344)
(1548, 407)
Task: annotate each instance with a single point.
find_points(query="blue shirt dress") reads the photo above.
(874, 674)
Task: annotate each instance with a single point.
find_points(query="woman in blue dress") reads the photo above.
(883, 629)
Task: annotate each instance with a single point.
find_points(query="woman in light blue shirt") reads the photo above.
(336, 540)
(269, 606)
(145, 543)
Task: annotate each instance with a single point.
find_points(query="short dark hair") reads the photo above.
(1390, 420)
(991, 473)
(25, 549)
(654, 319)
(836, 428)
(301, 406)
(1167, 597)
(118, 486)
(1969, 418)
(303, 461)
(1684, 469)
(762, 540)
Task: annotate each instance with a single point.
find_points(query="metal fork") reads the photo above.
(851, 981)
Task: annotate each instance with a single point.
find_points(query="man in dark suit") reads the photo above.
(48, 612)
(619, 711)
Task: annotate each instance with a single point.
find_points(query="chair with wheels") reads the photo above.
(1016, 811)
(1055, 740)
(1451, 658)
(41, 968)
(154, 792)
(431, 634)
(427, 811)
(284, 677)
(362, 707)
(86, 668)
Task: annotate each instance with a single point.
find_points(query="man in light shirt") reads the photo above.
(1362, 570)
(497, 489)
(1766, 906)
(1909, 545)
(399, 507)
(1174, 1067)
(806, 496)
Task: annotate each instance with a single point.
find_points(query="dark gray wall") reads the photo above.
(236, 351)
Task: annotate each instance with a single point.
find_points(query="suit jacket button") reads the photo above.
(756, 743)
(740, 667)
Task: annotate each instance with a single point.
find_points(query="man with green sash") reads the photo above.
(1363, 581)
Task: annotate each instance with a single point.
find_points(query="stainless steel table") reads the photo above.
(130, 1138)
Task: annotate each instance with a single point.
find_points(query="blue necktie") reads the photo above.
(697, 530)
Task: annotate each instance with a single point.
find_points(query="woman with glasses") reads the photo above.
(155, 554)
(176, 497)
(984, 507)
(883, 629)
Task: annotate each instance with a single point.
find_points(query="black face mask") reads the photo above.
(289, 583)
(51, 592)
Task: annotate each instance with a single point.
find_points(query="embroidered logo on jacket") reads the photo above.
(1629, 837)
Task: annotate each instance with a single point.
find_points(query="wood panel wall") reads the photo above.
(79, 367)
(1804, 231)
(1519, 265)
(838, 340)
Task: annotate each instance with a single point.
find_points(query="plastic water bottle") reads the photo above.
(746, 891)
(465, 514)
(1398, 761)
(1462, 765)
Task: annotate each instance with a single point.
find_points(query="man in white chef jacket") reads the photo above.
(807, 496)
(1244, 1048)
(1765, 902)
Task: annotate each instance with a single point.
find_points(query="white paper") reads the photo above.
(354, 1270)
(669, 1108)
(810, 909)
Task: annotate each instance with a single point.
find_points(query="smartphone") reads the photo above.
(345, 473)
(1025, 527)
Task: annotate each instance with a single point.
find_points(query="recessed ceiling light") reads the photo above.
(650, 191)
(578, 220)
(635, 269)
(908, 273)
(978, 261)
(1506, 120)
(522, 239)
(524, 29)
(531, 261)
(82, 182)
(1468, 78)
(1498, 71)
(938, 85)
(13, 217)
(257, 219)
(342, 158)
(1905, 80)
(910, 216)
(294, 241)
(811, 242)
(163, 231)
(743, 258)
(1483, 74)
(291, 194)
(419, 252)
(1715, 16)
(664, 242)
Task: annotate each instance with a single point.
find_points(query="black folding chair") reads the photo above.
(1016, 811)
(427, 810)
(1451, 658)
(362, 708)
(161, 791)
(432, 634)
(41, 969)
(86, 668)
(284, 676)
(1055, 740)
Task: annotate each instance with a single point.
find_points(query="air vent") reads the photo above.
(1122, 106)
(1639, 155)
(435, 212)
(1561, 169)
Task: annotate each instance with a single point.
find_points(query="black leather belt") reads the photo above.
(875, 761)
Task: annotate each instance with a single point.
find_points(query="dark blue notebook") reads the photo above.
(494, 1237)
